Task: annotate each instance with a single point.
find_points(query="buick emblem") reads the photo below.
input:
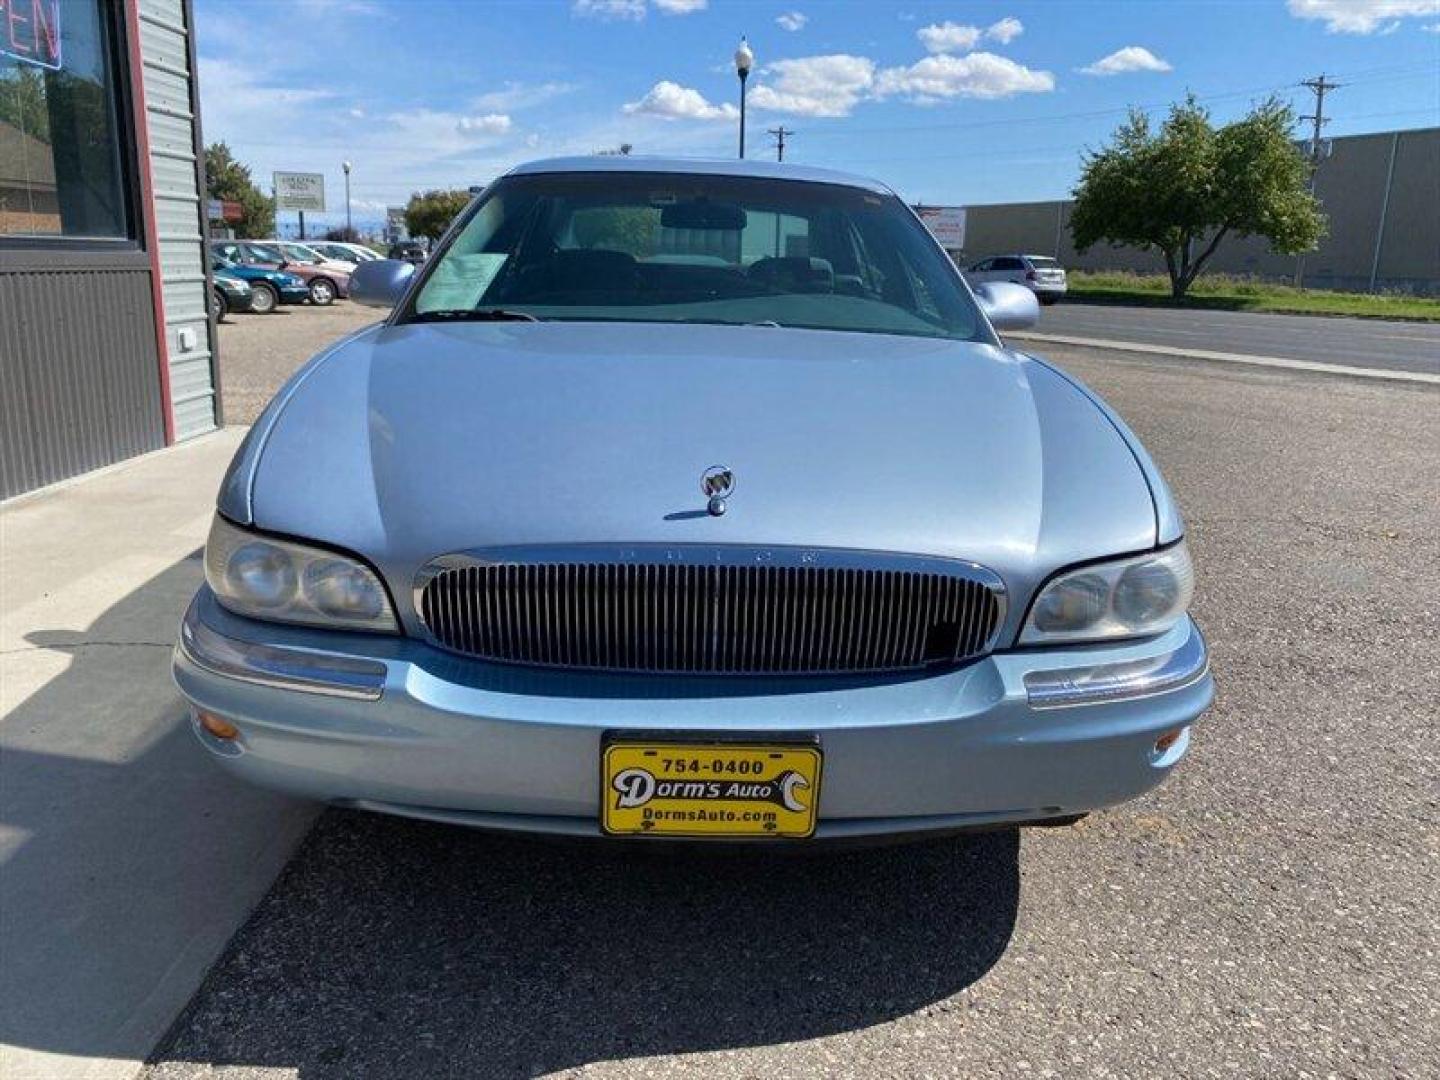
(717, 483)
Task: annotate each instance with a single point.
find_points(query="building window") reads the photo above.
(60, 143)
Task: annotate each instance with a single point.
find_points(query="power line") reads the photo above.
(780, 133)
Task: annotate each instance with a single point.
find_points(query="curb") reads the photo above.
(1282, 362)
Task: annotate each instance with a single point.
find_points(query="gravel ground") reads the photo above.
(1273, 910)
(259, 352)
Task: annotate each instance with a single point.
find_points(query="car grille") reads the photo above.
(697, 617)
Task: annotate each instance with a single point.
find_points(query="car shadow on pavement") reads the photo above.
(399, 948)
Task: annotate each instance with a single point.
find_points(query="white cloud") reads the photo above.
(671, 101)
(610, 9)
(235, 93)
(978, 75)
(326, 8)
(1006, 30)
(634, 10)
(792, 21)
(814, 85)
(517, 95)
(1360, 16)
(489, 124)
(948, 37)
(1130, 58)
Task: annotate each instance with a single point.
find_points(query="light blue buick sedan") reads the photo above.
(694, 499)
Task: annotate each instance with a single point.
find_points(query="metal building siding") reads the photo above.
(179, 212)
(1410, 246)
(77, 359)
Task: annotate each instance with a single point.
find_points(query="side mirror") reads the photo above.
(1008, 306)
(381, 283)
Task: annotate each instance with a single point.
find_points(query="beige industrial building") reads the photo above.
(1381, 193)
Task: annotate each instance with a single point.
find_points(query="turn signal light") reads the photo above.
(217, 725)
(1169, 739)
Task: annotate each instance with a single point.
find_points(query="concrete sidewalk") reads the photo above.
(126, 858)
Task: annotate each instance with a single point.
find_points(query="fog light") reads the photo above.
(217, 726)
(1169, 739)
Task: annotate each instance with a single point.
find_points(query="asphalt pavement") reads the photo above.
(1274, 909)
(1380, 344)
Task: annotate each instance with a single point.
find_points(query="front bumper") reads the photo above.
(239, 301)
(393, 724)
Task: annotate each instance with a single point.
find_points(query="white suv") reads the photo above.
(1040, 273)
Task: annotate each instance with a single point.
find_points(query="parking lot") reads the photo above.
(1273, 909)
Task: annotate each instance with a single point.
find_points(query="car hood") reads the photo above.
(410, 442)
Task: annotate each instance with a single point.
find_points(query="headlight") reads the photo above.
(1134, 597)
(288, 582)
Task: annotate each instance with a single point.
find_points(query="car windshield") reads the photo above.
(264, 254)
(666, 247)
(301, 253)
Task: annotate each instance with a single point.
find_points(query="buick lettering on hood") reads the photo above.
(694, 500)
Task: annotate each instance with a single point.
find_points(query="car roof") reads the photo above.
(765, 170)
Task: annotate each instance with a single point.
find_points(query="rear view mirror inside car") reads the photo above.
(703, 214)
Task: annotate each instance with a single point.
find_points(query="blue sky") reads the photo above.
(957, 103)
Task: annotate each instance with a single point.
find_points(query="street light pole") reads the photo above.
(744, 61)
(349, 232)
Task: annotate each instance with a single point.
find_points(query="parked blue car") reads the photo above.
(702, 500)
(269, 288)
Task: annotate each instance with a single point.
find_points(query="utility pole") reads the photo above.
(780, 133)
(1319, 87)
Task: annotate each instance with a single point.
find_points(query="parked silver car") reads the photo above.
(685, 499)
(1041, 274)
(339, 251)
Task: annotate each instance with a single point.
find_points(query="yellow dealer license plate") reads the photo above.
(709, 789)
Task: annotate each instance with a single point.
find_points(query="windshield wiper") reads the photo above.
(474, 315)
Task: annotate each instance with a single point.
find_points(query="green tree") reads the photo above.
(22, 102)
(632, 229)
(227, 179)
(1185, 187)
(429, 213)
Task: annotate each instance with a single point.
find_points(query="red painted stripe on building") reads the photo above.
(147, 209)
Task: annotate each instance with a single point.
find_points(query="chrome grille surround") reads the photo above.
(702, 609)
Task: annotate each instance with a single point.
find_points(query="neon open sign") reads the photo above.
(30, 32)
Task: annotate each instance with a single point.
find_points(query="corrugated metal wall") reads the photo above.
(80, 383)
(1351, 184)
(179, 212)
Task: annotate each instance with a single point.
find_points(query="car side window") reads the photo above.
(983, 266)
(1008, 264)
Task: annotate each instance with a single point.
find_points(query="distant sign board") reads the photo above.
(946, 223)
(301, 191)
(395, 222)
(30, 32)
(224, 210)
